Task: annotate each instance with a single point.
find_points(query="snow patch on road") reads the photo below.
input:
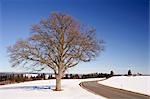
(43, 89)
(139, 84)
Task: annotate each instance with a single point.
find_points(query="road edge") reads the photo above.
(81, 85)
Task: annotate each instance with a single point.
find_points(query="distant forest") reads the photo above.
(8, 78)
(22, 77)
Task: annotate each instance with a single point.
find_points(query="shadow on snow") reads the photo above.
(43, 87)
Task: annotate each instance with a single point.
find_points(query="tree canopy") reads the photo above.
(59, 42)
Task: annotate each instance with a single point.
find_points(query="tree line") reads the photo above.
(16, 78)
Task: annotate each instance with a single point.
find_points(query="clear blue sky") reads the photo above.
(122, 24)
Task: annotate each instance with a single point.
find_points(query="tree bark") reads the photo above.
(58, 82)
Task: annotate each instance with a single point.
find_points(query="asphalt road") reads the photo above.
(111, 93)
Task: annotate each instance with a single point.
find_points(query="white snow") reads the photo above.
(139, 84)
(43, 89)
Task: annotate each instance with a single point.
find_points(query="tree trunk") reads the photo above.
(58, 82)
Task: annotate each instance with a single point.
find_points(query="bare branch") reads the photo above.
(58, 42)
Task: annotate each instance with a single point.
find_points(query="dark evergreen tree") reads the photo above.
(111, 73)
(129, 73)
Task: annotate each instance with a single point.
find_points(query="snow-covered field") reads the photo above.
(43, 89)
(139, 84)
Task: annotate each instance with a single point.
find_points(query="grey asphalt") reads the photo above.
(111, 93)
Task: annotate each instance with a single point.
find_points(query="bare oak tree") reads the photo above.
(58, 42)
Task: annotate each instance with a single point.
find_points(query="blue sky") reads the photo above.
(122, 24)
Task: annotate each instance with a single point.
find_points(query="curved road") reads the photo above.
(111, 93)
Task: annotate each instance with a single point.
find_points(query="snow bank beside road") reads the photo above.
(43, 89)
(139, 84)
